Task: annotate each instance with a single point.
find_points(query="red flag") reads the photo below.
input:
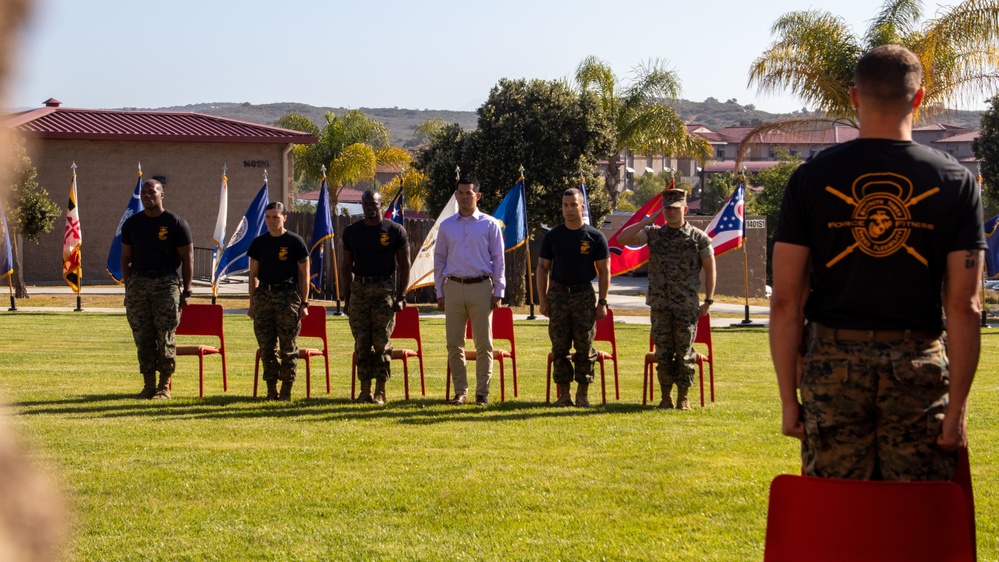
(626, 258)
(72, 271)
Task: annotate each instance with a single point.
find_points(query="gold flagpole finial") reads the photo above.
(457, 172)
(225, 168)
(73, 167)
(521, 170)
(265, 175)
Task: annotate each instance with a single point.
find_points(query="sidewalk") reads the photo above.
(626, 293)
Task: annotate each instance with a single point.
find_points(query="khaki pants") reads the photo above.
(461, 303)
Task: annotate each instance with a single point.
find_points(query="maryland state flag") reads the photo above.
(72, 270)
(626, 258)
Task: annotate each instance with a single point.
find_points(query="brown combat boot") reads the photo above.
(272, 390)
(681, 398)
(365, 396)
(163, 389)
(379, 397)
(564, 399)
(667, 401)
(148, 387)
(581, 400)
(285, 394)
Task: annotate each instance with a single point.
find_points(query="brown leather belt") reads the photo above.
(469, 280)
(820, 332)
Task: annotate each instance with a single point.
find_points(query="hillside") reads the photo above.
(402, 123)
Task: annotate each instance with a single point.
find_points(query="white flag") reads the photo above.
(218, 238)
(421, 273)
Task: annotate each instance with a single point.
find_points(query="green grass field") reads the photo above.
(229, 477)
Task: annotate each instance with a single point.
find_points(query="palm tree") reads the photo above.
(643, 119)
(816, 52)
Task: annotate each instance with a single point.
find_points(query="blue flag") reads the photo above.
(394, 210)
(234, 259)
(322, 230)
(114, 253)
(512, 214)
(6, 258)
(992, 253)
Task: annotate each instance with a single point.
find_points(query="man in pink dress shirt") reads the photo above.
(469, 279)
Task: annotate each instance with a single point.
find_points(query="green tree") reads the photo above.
(646, 187)
(31, 212)
(717, 189)
(986, 148)
(768, 201)
(816, 52)
(642, 113)
(445, 151)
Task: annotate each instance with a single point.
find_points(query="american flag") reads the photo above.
(394, 210)
(728, 229)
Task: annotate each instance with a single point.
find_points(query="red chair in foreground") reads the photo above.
(605, 332)
(826, 519)
(502, 330)
(703, 336)
(407, 326)
(203, 320)
(313, 326)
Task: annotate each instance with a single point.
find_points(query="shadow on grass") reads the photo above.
(420, 411)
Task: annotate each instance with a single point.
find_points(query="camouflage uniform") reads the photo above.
(152, 306)
(875, 405)
(572, 323)
(372, 320)
(674, 278)
(276, 325)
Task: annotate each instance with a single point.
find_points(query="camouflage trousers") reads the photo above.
(874, 411)
(372, 320)
(276, 325)
(673, 332)
(572, 324)
(152, 307)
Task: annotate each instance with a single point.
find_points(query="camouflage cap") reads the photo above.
(674, 198)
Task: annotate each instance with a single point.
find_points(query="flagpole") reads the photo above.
(79, 281)
(13, 303)
(746, 322)
(527, 248)
(336, 267)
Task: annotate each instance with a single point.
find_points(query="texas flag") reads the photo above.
(394, 210)
(728, 229)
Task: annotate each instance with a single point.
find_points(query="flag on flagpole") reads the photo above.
(512, 216)
(626, 258)
(394, 210)
(586, 203)
(992, 253)
(218, 237)
(728, 229)
(114, 253)
(6, 257)
(322, 230)
(234, 259)
(421, 273)
(72, 239)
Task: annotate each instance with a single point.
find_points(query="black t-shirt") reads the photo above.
(880, 217)
(278, 256)
(573, 253)
(154, 240)
(374, 247)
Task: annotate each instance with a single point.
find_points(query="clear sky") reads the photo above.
(430, 54)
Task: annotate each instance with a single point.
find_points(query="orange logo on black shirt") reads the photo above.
(881, 221)
(283, 253)
(163, 233)
(584, 248)
(384, 239)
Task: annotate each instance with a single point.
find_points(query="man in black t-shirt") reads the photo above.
(155, 244)
(888, 236)
(373, 251)
(279, 293)
(573, 254)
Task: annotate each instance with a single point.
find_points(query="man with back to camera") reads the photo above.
(279, 298)
(677, 253)
(469, 279)
(374, 250)
(154, 245)
(573, 254)
(888, 233)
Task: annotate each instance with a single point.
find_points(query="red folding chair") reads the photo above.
(703, 336)
(502, 330)
(203, 320)
(407, 326)
(313, 326)
(605, 332)
(827, 519)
